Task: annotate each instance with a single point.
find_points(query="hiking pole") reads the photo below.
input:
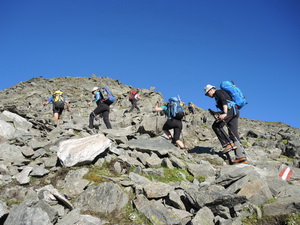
(213, 113)
(235, 137)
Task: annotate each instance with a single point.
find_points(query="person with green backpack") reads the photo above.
(58, 102)
(174, 111)
(228, 116)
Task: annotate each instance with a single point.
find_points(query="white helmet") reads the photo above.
(207, 88)
(95, 89)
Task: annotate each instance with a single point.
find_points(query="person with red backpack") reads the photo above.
(228, 116)
(134, 96)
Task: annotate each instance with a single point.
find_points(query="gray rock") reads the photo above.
(130, 160)
(82, 151)
(75, 218)
(139, 180)
(23, 176)
(52, 197)
(6, 130)
(3, 209)
(39, 171)
(157, 145)
(203, 217)
(104, 198)
(10, 153)
(157, 213)
(204, 169)
(22, 214)
(153, 160)
(157, 190)
(283, 206)
(74, 184)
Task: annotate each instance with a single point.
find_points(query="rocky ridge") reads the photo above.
(132, 174)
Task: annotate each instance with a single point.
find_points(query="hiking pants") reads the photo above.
(176, 125)
(232, 122)
(101, 109)
(133, 105)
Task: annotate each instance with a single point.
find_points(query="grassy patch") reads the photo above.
(288, 159)
(127, 215)
(174, 175)
(293, 219)
(245, 144)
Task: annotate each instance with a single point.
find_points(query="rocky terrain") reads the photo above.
(132, 174)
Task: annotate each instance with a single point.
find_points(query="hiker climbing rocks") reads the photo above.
(102, 109)
(175, 113)
(228, 116)
(134, 97)
(58, 102)
(191, 107)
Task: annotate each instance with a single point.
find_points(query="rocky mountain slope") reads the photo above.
(132, 174)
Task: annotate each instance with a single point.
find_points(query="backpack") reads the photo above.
(132, 95)
(235, 93)
(58, 100)
(174, 109)
(106, 95)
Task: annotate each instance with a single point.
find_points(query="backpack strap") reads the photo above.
(232, 104)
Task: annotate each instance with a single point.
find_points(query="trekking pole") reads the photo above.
(212, 112)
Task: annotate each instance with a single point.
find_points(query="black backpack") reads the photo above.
(58, 101)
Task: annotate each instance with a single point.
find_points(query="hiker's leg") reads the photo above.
(166, 129)
(232, 123)
(220, 132)
(56, 118)
(105, 115)
(132, 105)
(91, 120)
(177, 131)
(92, 116)
(135, 105)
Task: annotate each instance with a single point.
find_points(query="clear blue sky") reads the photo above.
(176, 46)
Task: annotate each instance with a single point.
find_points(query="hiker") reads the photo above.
(102, 109)
(229, 115)
(191, 107)
(58, 102)
(173, 122)
(133, 98)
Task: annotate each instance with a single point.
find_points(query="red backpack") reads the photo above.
(132, 94)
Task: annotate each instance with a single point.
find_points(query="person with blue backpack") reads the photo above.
(175, 113)
(228, 116)
(103, 98)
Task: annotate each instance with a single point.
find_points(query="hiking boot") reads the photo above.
(240, 160)
(229, 147)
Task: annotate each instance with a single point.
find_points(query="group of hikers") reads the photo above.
(225, 102)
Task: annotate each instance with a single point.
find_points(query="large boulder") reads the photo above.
(82, 151)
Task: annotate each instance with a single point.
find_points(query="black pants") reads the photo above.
(232, 121)
(133, 105)
(176, 125)
(102, 109)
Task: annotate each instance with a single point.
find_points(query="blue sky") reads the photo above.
(176, 46)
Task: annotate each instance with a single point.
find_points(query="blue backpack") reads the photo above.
(174, 109)
(235, 93)
(106, 95)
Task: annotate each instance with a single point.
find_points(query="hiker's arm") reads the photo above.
(224, 113)
(48, 101)
(157, 108)
(97, 97)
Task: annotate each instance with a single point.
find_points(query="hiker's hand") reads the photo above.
(222, 116)
(90, 102)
